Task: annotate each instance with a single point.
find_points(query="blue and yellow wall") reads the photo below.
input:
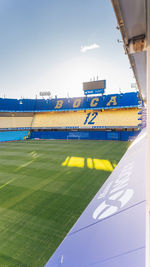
(126, 100)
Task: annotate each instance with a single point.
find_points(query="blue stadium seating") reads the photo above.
(12, 135)
(81, 103)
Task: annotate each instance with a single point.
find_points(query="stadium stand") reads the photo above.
(81, 103)
(112, 117)
(81, 119)
(15, 120)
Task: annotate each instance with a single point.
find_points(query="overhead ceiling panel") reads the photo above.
(134, 16)
(132, 21)
(140, 70)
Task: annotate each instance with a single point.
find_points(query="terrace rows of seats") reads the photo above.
(88, 119)
(79, 119)
(80, 103)
(15, 120)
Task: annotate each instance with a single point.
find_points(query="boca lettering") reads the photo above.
(94, 102)
(59, 104)
(112, 101)
(76, 103)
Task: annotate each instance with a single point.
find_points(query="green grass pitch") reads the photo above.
(40, 199)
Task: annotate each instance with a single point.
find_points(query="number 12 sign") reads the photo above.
(90, 118)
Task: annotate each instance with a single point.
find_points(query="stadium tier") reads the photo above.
(119, 112)
(15, 120)
(126, 100)
(87, 119)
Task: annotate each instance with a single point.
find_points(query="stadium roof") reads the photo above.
(132, 17)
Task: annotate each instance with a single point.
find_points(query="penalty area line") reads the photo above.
(11, 180)
(20, 167)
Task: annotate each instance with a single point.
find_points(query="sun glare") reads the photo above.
(98, 164)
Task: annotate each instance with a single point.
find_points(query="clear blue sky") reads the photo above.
(40, 47)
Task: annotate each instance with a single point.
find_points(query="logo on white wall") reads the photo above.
(115, 195)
